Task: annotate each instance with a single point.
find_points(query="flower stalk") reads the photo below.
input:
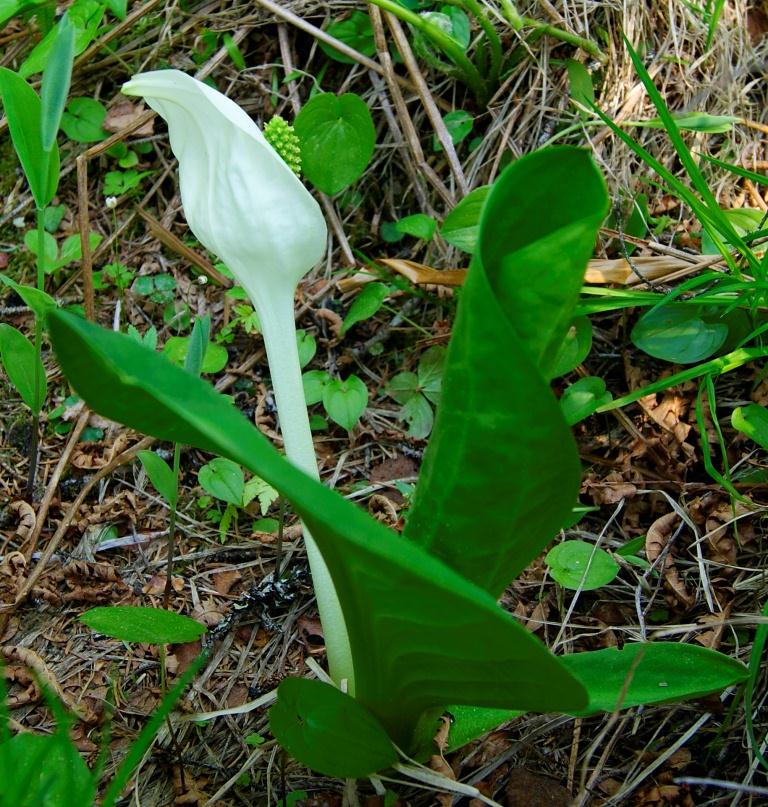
(248, 207)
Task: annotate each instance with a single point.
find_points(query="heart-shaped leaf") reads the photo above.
(337, 140)
(345, 401)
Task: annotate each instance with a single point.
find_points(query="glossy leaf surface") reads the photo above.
(421, 636)
(24, 112)
(337, 140)
(657, 672)
(491, 494)
(23, 366)
(328, 731)
(148, 625)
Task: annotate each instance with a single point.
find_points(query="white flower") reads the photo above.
(241, 200)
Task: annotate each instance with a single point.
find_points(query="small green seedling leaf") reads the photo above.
(752, 420)
(159, 473)
(354, 31)
(419, 416)
(458, 124)
(314, 382)
(337, 140)
(652, 672)
(579, 565)
(583, 398)
(365, 305)
(418, 225)
(695, 122)
(145, 625)
(50, 247)
(462, 225)
(329, 731)
(24, 113)
(223, 479)
(307, 347)
(403, 387)
(177, 347)
(256, 487)
(23, 366)
(430, 373)
(345, 401)
(575, 347)
(39, 301)
(55, 83)
(582, 89)
(678, 333)
(197, 349)
(83, 120)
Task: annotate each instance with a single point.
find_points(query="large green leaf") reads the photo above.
(651, 672)
(24, 112)
(639, 674)
(329, 731)
(502, 471)
(421, 635)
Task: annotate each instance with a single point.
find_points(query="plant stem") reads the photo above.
(171, 540)
(279, 332)
(518, 22)
(492, 37)
(445, 43)
(35, 436)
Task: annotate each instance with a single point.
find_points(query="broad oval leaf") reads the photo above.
(337, 140)
(328, 731)
(502, 471)
(579, 565)
(651, 672)
(419, 416)
(23, 366)
(583, 398)
(146, 625)
(752, 420)
(365, 305)
(439, 638)
(461, 227)
(159, 473)
(575, 347)
(678, 333)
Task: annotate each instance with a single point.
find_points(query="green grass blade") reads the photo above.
(723, 364)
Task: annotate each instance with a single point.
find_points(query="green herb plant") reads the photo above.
(417, 630)
(33, 121)
(443, 37)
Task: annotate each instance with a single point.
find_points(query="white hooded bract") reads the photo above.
(241, 200)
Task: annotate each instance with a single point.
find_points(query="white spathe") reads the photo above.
(241, 200)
